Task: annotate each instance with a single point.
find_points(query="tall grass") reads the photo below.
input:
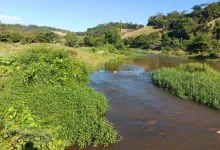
(192, 81)
(113, 64)
(52, 87)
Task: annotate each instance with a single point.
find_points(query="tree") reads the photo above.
(99, 41)
(159, 21)
(181, 28)
(28, 37)
(15, 37)
(112, 36)
(71, 39)
(217, 33)
(89, 41)
(200, 43)
(5, 37)
(46, 37)
(211, 11)
(151, 41)
(128, 41)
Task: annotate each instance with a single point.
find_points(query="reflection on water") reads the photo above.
(155, 61)
(151, 118)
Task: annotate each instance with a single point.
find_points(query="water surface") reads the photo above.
(151, 118)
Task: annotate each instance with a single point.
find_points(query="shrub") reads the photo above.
(15, 37)
(28, 37)
(52, 86)
(46, 37)
(110, 48)
(19, 127)
(71, 39)
(5, 37)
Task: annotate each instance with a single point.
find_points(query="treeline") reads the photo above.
(191, 32)
(29, 28)
(14, 33)
(201, 14)
(110, 40)
(102, 28)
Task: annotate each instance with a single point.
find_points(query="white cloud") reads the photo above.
(9, 18)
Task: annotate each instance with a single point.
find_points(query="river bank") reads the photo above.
(184, 54)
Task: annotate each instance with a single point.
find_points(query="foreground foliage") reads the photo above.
(191, 81)
(52, 88)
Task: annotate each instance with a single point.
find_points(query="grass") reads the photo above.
(192, 81)
(58, 109)
(93, 60)
(145, 30)
(212, 23)
(125, 31)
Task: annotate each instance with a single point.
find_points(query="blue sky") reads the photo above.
(78, 15)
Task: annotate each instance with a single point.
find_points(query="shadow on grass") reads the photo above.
(29, 146)
(201, 57)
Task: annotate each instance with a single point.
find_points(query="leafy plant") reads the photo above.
(19, 127)
(52, 84)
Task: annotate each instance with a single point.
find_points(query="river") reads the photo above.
(150, 118)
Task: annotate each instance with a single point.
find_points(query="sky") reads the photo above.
(78, 15)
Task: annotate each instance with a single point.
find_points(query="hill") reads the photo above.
(212, 23)
(125, 31)
(29, 28)
(146, 30)
(100, 29)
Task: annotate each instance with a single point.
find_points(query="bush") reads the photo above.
(191, 81)
(46, 37)
(89, 41)
(15, 37)
(28, 37)
(113, 64)
(110, 48)
(71, 39)
(200, 43)
(5, 37)
(52, 86)
(19, 127)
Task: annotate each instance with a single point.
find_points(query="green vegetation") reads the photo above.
(71, 39)
(113, 64)
(197, 82)
(30, 34)
(99, 30)
(196, 32)
(44, 97)
(58, 109)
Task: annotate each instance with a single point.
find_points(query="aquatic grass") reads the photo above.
(193, 81)
(113, 64)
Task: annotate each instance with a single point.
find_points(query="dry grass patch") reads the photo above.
(146, 30)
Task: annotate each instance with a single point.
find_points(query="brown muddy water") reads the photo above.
(150, 118)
